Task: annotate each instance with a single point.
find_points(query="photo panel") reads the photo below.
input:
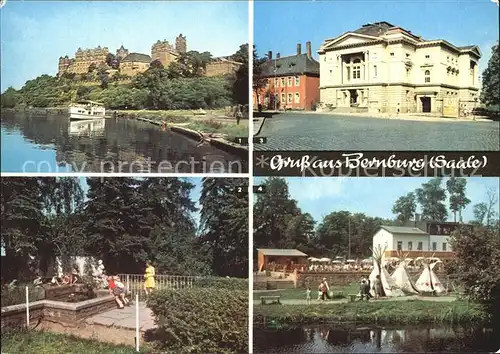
(365, 265)
(341, 84)
(124, 87)
(129, 262)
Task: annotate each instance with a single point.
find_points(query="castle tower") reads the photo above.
(121, 53)
(180, 44)
(164, 52)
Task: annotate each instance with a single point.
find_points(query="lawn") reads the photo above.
(38, 342)
(339, 292)
(376, 312)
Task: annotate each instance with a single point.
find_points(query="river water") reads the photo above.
(53, 144)
(330, 339)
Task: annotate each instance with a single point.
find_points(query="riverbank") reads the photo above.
(375, 312)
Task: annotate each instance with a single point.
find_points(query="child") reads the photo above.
(308, 296)
(115, 291)
(123, 291)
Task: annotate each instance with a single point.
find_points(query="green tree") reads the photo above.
(431, 197)
(405, 207)
(485, 212)
(259, 82)
(300, 232)
(272, 212)
(490, 94)
(240, 83)
(458, 201)
(9, 98)
(224, 225)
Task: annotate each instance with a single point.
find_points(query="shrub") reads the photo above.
(222, 283)
(201, 320)
(17, 295)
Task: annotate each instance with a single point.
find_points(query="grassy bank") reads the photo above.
(214, 121)
(382, 313)
(37, 342)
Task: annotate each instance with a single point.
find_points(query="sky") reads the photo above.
(34, 34)
(280, 25)
(374, 197)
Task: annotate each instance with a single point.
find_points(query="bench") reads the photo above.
(273, 299)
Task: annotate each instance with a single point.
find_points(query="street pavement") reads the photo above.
(326, 132)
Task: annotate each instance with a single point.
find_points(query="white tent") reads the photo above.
(313, 259)
(388, 285)
(326, 260)
(402, 280)
(336, 262)
(350, 261)
(428, 281)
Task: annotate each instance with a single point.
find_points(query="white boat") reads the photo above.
(87, 110)
(90, 127)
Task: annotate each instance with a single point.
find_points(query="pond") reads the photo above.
(331, 339)
(34, 143)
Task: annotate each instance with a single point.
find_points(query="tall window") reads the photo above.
(290, 81)
(444, 246)
(283, 98)
(356, 69)
(410, 246)
(297, 81)
(283, 83)
(297, 97)
(434, 246)
(419, 246)
(375, 71)
(400, 245)
(276, 83)
(427, 76)
(290, 98)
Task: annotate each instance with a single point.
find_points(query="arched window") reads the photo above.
(427, 76)
(356, 69)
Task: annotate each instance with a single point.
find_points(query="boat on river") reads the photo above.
(87, 110)
(89, 127)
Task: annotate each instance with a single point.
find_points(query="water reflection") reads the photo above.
(327, 339)
(56, 144)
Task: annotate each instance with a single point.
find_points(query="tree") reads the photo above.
(240, 83)
(478, 263)
(272, 211)
(431, 197)
(112, 61)
(485, 212)
(224, 225)
(9, 98)
(405, 207)
(300, 232)
(259, 82)
(458, 200)
(490, 95)
(92, 68)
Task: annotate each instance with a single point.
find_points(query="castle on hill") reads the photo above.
(132, 64)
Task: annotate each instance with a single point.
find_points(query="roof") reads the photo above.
(374, 29)
(403, 230)
(143, 58)
(291, 65)
(281, 252)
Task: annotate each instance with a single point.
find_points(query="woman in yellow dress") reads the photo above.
(149, 278)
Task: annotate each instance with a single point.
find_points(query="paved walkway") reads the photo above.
(316, 131)
(125, 318)
(341, 301)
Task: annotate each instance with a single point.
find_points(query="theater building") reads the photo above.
(380, 67)
(292, 82)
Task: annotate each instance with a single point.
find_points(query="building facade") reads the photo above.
(289, 258)
(222, 67)
(416, 242)
(291, 82)
(135, 63)
(384, 68)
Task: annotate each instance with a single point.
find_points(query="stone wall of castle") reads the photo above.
(221, 68)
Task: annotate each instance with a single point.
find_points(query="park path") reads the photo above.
(342, 301)
(125, 318)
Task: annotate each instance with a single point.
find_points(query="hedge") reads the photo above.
(222, 283)
(201, 320)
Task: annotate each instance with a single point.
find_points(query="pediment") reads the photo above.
(348, 39)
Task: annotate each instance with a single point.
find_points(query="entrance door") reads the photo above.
(354, 97)
(426, 104)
